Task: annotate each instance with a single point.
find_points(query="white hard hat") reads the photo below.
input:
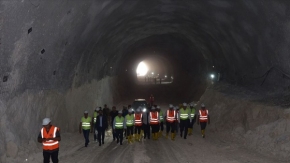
(130, 110)
(191, 104)
(158, 107)
(86, 112)
(138, 109)
(202, 105)
(184, 104)
(46, 121)
(120, 112)
(97, 109)
(170, 106)
(153, 108)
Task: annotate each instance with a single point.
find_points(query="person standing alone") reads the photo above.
(49, 136)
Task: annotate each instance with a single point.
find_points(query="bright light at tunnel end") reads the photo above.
(212, 76)
(142, 69)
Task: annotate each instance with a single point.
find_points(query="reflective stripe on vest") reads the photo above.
(138, 119)
(183, 114)
(119, 122)
(49, 144)
(86, 123)
(203, 115)
(95, 116)
(161, 116)
(129, 120)
(153, 117)
(170, 117)
(192, 112)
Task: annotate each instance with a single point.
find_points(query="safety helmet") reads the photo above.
(184, 104)
(86, 112)
(158, 107)
(170, 106)
(202, 105)
(46, 121)
(153, 108)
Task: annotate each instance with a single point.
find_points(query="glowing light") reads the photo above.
(142, 69)
(212, 76)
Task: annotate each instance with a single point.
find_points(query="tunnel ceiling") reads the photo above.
(52, 44)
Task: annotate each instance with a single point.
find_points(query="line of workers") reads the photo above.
(136, 125)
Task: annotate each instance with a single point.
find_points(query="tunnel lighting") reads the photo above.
(152, 73)
(212, 76)
(111, 67)
(142, 69)
(212, 66)
(165, 76)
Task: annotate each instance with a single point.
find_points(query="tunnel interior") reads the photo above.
(63, 57)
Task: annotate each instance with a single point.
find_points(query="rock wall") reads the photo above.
(258, 125)
(21, 117)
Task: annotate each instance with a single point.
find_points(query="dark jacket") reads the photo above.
(104, 122)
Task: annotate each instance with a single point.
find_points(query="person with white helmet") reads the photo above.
(170, 121)
(119, 127)
(129, 119)
(86, 126)
(184, 120)
(203, 119)
(154, 122)
(49, 136)
(138, 123)
(161, 118)
(95, 131)
(192, 114)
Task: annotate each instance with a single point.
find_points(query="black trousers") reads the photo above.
(129, 130)
(190, 125)
(161, 126)
(155, 128)
(52, 155)
(86, 136)
(95, 135)
(114, 133)
(119, 135)
(101, 134)
(184, 127)
(203, 125)
(138, 129)
(146, 129)
(170, 127)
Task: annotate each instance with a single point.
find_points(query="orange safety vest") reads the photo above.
(203, 115)
(170, 117)
(49, 145)
(138, 119)
(154, 118)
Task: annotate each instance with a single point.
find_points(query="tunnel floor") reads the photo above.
(192, 150)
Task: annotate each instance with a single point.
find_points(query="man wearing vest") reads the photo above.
(119, 127)
(170, 121)
(129, 119)
(138, 124)
(94, 122)
(154, 122)
(203, 119)
(184, 119)
(161, 118)
(192, 115)
(49, 136)
(86, 126)
(101, 126)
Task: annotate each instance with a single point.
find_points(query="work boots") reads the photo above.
(172, 136)
(166, 135)
(203, 133)
(189, 131)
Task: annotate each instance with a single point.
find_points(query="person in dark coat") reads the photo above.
(101, 126)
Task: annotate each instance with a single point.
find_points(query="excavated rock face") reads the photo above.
(55, 55)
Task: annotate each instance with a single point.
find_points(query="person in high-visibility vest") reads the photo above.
(119, 127)
(95, 131)
(138, 124)
(49, 136)
(170, 121)
(86, 126)
(184, 120)
(192, 115)
(154, 122)
(129, 119)
(203, 119)
(161, 124)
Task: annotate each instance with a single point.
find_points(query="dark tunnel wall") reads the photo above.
(56, 56)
